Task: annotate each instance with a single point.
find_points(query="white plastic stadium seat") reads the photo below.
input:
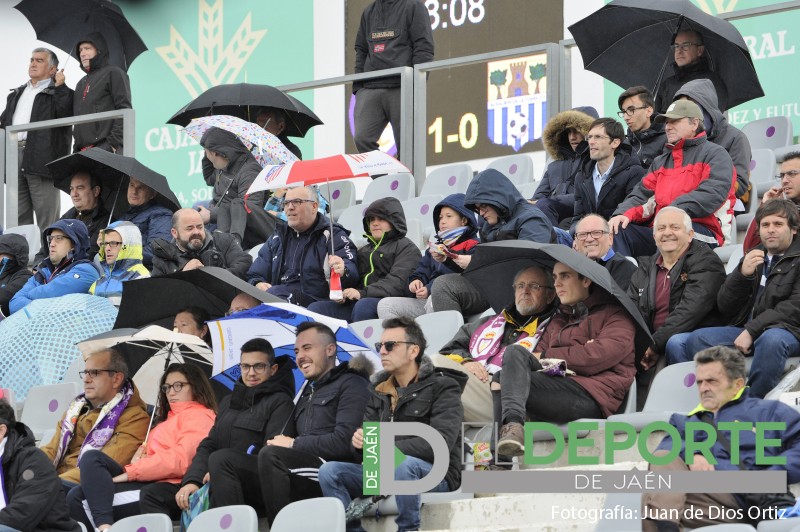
(440, 327)
(32, 234)
(414, 233)
(352, 219)
(400, 186)
(743, 220)
(518, 168)
(321, 513)
(339, 194)
(254, 251)
(773, 132)
(147, 522)
(447, 180)
(527, 189)
(763, 169)
(44, 406)
(241, 518)
(369, 330)
(421, 209)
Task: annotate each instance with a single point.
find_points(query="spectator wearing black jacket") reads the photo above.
(105, 87)
(676, 288)
(593, 238)
(608, 172)
(392, 34)
(14, 272)
(637, 108)
(44, 97)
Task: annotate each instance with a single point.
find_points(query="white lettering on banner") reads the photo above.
(167, 138)
(741, 117)
(768, 48)
(201, 194)
(196, 162)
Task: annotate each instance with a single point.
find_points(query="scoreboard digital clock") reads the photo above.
(486, 110)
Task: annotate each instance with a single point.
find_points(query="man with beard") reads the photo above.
(191, 248)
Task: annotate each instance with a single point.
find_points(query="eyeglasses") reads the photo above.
(177, 386)
(480, 207)
(93, 373)
(297, 202)
(685, 45)
(790, 173)
(630, 110)
(57, 238)
(590, 138)
(597, 233)
(112, 244)
(390, 345)
(533, 287)
(257, 368)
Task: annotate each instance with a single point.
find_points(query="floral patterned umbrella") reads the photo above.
(265, 147)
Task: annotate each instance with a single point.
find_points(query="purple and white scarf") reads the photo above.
(103, 428)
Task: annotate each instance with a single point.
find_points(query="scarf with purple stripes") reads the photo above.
(103, 428)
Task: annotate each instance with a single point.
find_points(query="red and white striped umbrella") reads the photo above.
(316, 171)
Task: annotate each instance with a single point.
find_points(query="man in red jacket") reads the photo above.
(693, 174)
(581, 368)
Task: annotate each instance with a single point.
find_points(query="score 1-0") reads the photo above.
(467, 134)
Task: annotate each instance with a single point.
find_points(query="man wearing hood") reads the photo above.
(588, 347)
(294, 264)
(564, 139)
(720, 132)
(44, 97)
(66, 270)
(121, 260)
(152, 219)
(636, 107)
(385, 262)
(230, 168)
(326, 415)
(31, 492)
(105, 87)
(507, 216)
(409, 388)
(691, 62)
(478, 346)
(14, 272)
(192, 247)
(456, 237)
(608, 172)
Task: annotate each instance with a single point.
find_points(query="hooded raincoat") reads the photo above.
(14, 272)
(127, 266)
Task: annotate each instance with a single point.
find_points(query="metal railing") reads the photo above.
(9, 195)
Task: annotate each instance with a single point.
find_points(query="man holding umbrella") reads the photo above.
(153, 220)
(581, 367)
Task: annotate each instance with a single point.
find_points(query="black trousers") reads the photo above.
(287, 475)
(234, 479)
(526, 392)
(159, 498)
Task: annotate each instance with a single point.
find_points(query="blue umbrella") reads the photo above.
(276, 323)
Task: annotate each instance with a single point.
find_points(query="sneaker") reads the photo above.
(512, 440)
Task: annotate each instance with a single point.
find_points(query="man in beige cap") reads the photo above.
(693, 174)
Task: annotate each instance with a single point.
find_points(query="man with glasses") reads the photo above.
(787, 186)
(192, 247)
(329, 410)
(478, 346)
(694, 175)
(608, 172)
(593, 238)
(691, 62)
(636, 107)
(588, 347)
(241, 302)
(675, 289)
(295, 262)
(108, 416)
(409, 388)
(66, 270)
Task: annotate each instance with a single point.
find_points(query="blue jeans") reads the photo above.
(365, 308)
(344, 481)
(770, 351)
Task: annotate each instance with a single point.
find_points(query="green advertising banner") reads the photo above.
(773, 43)
(194, 45)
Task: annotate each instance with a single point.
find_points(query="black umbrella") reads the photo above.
(494, 265)
(156, 300)
(628, 42)
(62, 22)
(114, 172)
(243, 100)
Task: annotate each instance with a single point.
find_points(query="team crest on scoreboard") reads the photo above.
(516, 100)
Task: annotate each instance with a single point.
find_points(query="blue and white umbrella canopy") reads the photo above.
(276, 323)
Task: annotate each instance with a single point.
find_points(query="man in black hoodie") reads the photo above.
(327, 414)
(637, 108)
(14, 271)
(31, 488)
(105, 87)
(393, 33)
